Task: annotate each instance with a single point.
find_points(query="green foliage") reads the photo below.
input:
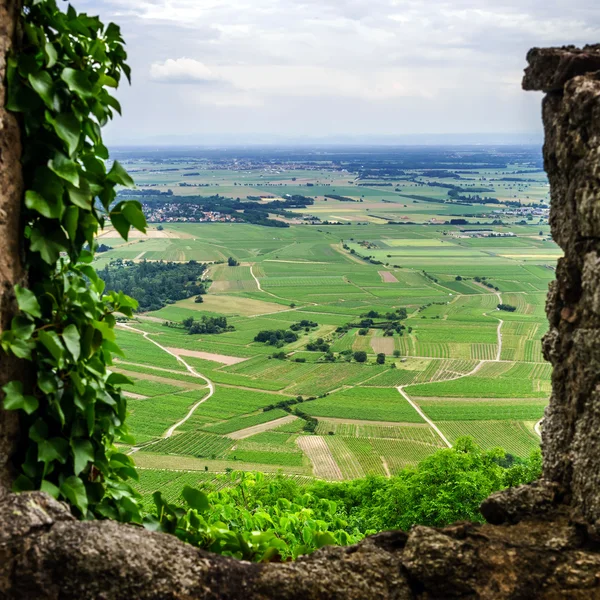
(234, 522)
(448, 486)
(213, 325)
(276, 337)
(154, 284)
(260, 519)
(360, 356)
(72, 409)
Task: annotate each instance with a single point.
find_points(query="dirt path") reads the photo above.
(320, 456)
(386, 468)
(249, 431)
(499, 353)
(260, 288)
(400, 388)
(135, 396)
(256, 279)
(211, 387)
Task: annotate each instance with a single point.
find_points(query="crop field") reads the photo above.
(370, 243)
(513, 436)
(369, 403)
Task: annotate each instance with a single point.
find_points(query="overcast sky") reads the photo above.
(260, 70)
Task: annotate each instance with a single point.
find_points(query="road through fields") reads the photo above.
(211, 387)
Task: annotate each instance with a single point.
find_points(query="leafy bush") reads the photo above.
(258, 519)
(360, 356)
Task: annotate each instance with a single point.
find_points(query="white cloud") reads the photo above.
(318, 66)
(183, 70)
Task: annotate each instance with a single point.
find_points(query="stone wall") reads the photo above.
(542, 540)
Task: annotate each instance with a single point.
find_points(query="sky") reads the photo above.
(268, 71)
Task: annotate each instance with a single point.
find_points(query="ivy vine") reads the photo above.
(72, 411)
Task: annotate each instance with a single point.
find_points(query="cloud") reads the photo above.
(319, 66)
(183, 70)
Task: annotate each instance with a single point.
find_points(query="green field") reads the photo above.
(471, 368)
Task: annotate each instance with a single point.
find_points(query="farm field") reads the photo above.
(349, 396)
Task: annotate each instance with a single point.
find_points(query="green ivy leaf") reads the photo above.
(49, 488)
(120, 223)
(55, 448)
(83, 452)
(22, 327)
(65, 168)
(70, 220)
(72, 341)
(23, 484)
(52, 343)
(77, 81)
(37, 202)
(195, 498)
(41, 82)
(79, 197)
(132, 211)
(73, 490)
(15, 400)
(118, 379)
(48, 247)
(51, 54)
(27, 301)
(118, 174)
(68, 129)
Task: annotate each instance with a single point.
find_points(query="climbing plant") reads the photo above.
(72, 409)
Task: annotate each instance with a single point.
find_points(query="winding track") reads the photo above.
(256, 279)
(211, 387)
(472, 372)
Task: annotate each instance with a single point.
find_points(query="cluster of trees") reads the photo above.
(212, 325)
(276, 337)
(390, 324)
(232, 262)
(398, 315)
(280, 337)
(154, 284)
(507, 307)
(318, 345)
(305, 324)
(340, 198)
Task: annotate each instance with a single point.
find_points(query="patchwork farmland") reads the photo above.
(347, 397)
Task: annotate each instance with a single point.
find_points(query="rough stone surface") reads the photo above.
(541, 541)
(11, 271)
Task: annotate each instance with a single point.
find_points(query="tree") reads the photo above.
(396, 353)
(381, 358)
(232, 262)
(360, 356)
